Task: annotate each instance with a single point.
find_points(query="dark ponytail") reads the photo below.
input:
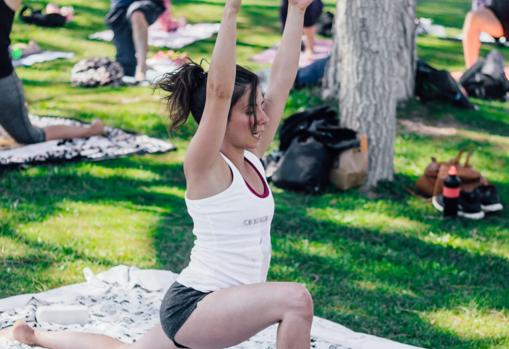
(187, 87)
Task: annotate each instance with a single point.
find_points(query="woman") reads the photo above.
(13, 112)
(221, 298)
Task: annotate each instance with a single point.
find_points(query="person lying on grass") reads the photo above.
(222, 297)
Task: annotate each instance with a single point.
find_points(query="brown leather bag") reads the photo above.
(431, 182)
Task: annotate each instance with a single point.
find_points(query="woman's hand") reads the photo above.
(300, 4)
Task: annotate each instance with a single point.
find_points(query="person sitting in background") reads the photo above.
(129, 20)
(13, 112)
(488, 17)
(311, 17)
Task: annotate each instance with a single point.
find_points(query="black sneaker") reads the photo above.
(489, 199)
(469, 204)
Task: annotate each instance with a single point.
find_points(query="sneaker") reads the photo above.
(469, 204)
(489, 199)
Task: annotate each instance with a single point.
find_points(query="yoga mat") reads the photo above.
(183, 36)
(322, 49)
(116, 143)
(44, 56)
(124, 302)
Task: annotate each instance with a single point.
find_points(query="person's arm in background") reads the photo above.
(13, 4)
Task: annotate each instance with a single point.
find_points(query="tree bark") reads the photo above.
(374, 62)
(406, 55)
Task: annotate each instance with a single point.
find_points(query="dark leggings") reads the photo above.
(14, 113)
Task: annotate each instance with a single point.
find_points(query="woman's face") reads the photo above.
(240, 130)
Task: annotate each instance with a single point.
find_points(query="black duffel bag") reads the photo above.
(438, 85)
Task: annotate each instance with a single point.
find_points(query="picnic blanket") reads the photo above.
(323, 48)
(44, 56)
(114, 144)
(183, 36)
(123, 302)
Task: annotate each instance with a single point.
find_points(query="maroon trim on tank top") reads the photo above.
(265, 186)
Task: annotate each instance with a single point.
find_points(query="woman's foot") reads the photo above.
(23, 333)
(96, 128)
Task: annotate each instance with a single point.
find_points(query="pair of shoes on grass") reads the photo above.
(475, 204)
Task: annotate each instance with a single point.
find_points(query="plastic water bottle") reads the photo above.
(451, 192)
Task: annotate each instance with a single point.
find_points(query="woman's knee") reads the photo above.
(300, 300)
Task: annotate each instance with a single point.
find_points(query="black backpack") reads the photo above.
(433, 84)
(325, 24)
(486, 78)
(31, 16)
(305, 163)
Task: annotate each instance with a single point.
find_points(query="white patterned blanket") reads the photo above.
(123, 302)
(183, 36)
(44, 56)
(114, 144)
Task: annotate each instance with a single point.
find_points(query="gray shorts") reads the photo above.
(119, 20)
(178, 304)
(14, 112)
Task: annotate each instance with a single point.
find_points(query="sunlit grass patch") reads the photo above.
(116, 231)
(130, 173)
(474, 244)
(367, 218)
(385, 287)
(471, 322)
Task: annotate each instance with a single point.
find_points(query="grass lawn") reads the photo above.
(388, 266)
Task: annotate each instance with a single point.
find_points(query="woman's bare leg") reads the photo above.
(480, 20)
(153, 339)
(65, 131)
(230, 316)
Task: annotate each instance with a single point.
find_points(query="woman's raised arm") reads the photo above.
(203, 151)
(283, 71)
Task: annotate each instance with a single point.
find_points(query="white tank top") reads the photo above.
(232, 230)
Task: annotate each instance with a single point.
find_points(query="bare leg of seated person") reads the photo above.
(309, 43)
(153, 339)
(480, 20)
(96, 128)
(140, 39)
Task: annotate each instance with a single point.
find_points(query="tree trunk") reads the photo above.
(374, 62)
(406, 56)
